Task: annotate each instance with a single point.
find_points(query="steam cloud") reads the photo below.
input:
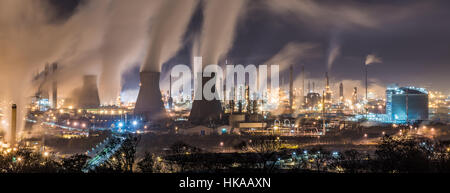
(349, 16)
(219, 26)
(333, 53)
(102, 38)
(167, 30)
(290, 53)
(372, 58)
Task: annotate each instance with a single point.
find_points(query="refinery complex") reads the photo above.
(295, 111)
(238, 86)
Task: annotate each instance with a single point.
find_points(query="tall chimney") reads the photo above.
(54, 87)
(327, 89)
(149, 103)
(302, 96)
(309, 87)
(355, 95)
(170, 101)
(291, 87)
(13, 124)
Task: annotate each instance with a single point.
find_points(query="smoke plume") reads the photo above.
(290, 54)
(100, 38)
(24, 43)
(219, 27)
(333, 53)
(124, 43)
(167, 30)
(372, 58)
(350, 15)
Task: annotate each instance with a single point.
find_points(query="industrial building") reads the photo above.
(406, 104)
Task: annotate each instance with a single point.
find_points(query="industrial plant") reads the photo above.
(221, 86)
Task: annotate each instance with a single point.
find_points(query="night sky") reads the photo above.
(414, 47)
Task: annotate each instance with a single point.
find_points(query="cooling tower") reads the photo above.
(204, 111)
(88, 97)
(149, 102)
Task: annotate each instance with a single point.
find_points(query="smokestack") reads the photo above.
(247, 98)
(291, 87)
(302, 97)
(327, 89)
(355, 95)
(170, 92)
(149, 102)
(54, 87)
(309, 87)
(89, 93)
(366, 81)
(203, 110)
(13, 124)
(341, 90)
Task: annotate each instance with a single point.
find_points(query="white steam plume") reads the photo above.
(124, 43)
(349, 15)
(372, 58)
(167, 30)
(101, 38)
(219, 27)
(290, 53)
(25, 43)
(333, 53)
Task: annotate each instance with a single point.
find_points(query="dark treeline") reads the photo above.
(394, 154)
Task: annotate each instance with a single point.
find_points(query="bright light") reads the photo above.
(135, 123)
(45, 154)
(120, 124)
